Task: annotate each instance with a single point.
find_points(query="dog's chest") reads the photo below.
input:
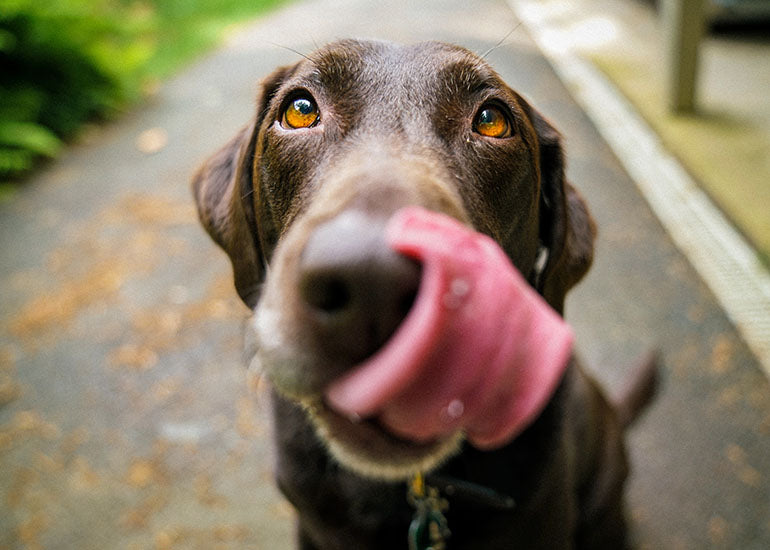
(340, 510)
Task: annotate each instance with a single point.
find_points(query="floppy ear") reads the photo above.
(224, 187)
(567, 231)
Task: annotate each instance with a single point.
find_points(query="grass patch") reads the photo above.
(65, 62)
(728, 156)
(185, 28)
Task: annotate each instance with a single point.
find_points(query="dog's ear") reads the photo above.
(567, 231)
(224, 187)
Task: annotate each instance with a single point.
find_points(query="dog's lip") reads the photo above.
(368, 426)
(369, 449)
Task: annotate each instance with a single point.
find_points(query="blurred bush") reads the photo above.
(64, 62)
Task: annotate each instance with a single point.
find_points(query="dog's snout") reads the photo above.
(355, 290)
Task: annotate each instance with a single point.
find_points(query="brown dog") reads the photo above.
(299, 200)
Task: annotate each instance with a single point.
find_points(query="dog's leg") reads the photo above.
(601, 463)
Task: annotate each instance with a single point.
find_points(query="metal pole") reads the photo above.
(683, 26)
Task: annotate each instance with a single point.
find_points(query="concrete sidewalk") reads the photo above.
(125, 416)
(725, 144)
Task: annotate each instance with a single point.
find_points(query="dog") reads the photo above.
(341, 141)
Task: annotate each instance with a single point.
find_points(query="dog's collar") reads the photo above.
(429, 528)
(470, 493)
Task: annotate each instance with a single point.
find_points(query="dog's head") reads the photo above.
(341, 141)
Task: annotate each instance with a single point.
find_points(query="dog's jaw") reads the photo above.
(367, 449)
(360, 445)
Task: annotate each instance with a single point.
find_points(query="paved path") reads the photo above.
(125, 418)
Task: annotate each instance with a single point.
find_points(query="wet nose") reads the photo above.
(354, 288)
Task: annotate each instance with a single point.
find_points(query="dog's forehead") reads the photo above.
(427, 65)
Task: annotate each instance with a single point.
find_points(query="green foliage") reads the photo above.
(64, 62)
(22, 142)
(61, 62)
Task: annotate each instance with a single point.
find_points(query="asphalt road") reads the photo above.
(126, 420)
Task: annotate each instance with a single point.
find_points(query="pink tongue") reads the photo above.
(480, 350)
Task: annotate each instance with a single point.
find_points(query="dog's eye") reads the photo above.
(300, 113)
(492, 122)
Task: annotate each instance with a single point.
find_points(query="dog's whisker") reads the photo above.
(500, 43)
(289, 48)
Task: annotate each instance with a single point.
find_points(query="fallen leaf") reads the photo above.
(152, 141)
(132, 356)
(230, 533)
(141, 473)
(717, 528)
(9, 389)
(205, 492)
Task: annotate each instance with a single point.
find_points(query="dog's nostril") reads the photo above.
(355, 290)
(327, 294)
(406, 302)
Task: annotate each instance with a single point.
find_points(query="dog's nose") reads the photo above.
(355, 289)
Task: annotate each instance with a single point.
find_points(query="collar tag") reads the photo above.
(429, 529)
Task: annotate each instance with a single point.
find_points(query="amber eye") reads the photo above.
(300, 113)
(491, 122)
